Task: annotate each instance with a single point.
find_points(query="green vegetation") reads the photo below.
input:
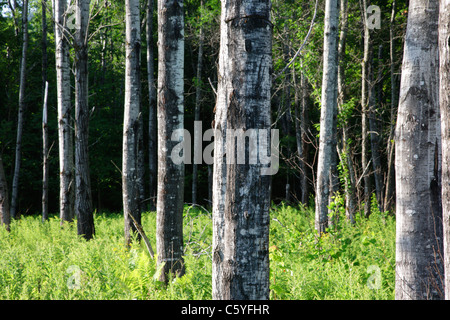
(44, 261)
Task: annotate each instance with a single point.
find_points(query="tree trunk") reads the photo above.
(389, 191)
(418, 160)
(365, 108)
(131, 123)
(21, 113)
(241, 192)
(83, 196)
(152, 126)
(45, 157)
(5, 218)
(328, 113)
(303, 129)
(169, 221)
(444, 100)
(65, 135)
(198, 96)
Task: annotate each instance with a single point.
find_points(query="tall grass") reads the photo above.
(44, 261)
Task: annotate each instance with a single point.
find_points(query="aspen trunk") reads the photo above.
(65, 134)
(241, 193)
(131, 123)
(169, 221)
(21, 113)
(328, 113)
(418, 160)
(444, 100)
(83, 196)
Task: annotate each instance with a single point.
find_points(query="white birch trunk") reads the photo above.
(241, 194)
(65, 140)
(418, 160)
(131, 122)
(328, 113)
(444, 100)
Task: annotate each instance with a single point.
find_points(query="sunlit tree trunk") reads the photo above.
(83, 196)
(241, 193)
(169, 221)
(65, 134)
(328, 113)
(131, 123)
(45, 156)
(419, 264)
(444, 100)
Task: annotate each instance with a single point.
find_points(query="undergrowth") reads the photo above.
(46, 261)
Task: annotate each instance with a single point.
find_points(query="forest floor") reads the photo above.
(44, 261)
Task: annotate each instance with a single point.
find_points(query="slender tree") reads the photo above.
(170, 113)
(65, 133)
(45, 148)
(83, 196)
(131, 123)
(418, 160)
(444, 101)
(328, 113)
(22, 107)
(241, 192)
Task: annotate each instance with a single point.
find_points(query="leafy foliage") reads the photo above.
(46, 261)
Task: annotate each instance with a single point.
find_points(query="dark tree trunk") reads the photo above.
(169, 222)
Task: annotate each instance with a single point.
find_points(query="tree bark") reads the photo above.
(21, 113)
(131, 123)
(241, 192)
(5, 218)
(444, 101)
(418, 160)
(152, 125)
(328, 113)
(65, 134)
(169, 221)
(83, 196)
